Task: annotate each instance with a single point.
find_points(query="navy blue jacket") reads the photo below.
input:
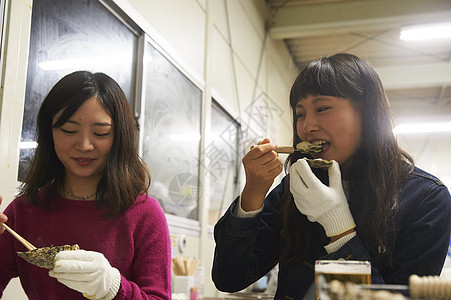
(248, 248)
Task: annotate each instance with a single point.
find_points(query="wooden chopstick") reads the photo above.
(24, 242)
(285, 149)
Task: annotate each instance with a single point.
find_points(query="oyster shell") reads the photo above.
(44, 257)
(318, 163)
(306, 147)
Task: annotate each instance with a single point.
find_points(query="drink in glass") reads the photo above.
(355, 271)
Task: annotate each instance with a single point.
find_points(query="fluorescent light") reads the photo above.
(185, 137)
(422, 128)
(426, 32)
(84, 62)
(28, 145)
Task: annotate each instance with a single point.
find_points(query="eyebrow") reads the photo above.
(94, 124)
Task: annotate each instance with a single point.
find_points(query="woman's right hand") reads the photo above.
(3, 219)
(261, 165)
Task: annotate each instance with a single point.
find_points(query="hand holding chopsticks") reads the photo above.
(24, 242)
(3, 218)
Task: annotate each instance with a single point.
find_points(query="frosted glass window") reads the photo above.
(222, 162)
(171, 135)
(67, 36)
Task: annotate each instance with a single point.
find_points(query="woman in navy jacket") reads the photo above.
(371, 204)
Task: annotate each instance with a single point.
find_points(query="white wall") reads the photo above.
(14, 74)
(429, 150)
(221, 44)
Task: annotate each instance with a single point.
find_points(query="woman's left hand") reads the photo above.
(88, 272)
(3, 219)
(326, 205)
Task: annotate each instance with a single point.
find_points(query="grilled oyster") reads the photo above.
(306, 147)
(44, 257)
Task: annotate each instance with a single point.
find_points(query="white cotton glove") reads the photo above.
(326, 205)
(88, 272)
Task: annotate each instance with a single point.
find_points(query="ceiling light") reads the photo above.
(28, 145)
(422, 128)
(426, 32)
(84, 62)
(185, 137)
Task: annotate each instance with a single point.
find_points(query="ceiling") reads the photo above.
(416, 75)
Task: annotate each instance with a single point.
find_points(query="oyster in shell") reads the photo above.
(44, 257)
(318, 163)
(306, 147)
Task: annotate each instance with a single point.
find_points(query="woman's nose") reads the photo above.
(310, 124)
(85, 143)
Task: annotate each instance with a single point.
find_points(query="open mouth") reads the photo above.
(324, 147)
(321, 143)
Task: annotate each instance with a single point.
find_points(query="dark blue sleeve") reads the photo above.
(247, 248)
(420, 242)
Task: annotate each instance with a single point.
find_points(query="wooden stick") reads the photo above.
(193, 266)
(285, 149)
(24, 242)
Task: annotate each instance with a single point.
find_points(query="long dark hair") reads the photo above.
(379, 167)
(125, 175)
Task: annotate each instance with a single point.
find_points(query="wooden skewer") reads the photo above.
(24, 242)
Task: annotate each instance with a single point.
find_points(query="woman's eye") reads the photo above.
(299, 116)
(323, 108)
(102, 134)
(67, 131)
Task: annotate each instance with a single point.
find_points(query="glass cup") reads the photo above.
(355, 271)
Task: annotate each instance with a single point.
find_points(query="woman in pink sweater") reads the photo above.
(86, 185)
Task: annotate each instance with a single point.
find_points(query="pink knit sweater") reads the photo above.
(136, 243)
